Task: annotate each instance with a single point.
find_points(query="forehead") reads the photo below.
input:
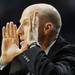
(22, 20)
(29, 11)
(25, 16)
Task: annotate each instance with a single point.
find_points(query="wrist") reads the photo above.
(1, 61)
(33, 44)
(2, 65)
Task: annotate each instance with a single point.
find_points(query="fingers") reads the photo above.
(12, 30)
(15, 35)
(3, 32)
(15, 30)
(9, 30)
(35, 21)
(30, 23)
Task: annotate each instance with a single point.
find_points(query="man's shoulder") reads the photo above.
(65, 46)
(62, 47)
(61, 43)
(69, 48)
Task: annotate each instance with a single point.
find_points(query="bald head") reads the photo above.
(46, 10)
(49, 22)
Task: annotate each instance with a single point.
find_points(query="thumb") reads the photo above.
(23, 48)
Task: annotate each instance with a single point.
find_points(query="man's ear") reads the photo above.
(48, 27)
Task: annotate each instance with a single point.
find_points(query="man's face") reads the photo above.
(24, 28)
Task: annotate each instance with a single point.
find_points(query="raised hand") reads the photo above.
(33, 37)
(10, 48)
(28, 31)
(10, 43)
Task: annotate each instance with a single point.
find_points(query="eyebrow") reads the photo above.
(24, 21)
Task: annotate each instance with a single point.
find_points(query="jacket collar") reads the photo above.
(60, 42)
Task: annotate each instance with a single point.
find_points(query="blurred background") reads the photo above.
(11, 10)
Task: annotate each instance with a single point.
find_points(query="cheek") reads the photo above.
(25, 29)
(41, 34)
(26, 32)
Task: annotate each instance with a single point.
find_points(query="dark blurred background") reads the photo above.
(11, 10)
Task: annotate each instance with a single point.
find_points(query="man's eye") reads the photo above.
(25, 22)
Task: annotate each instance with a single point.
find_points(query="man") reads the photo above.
(42, 52)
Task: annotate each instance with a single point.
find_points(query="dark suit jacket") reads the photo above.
(59, 61)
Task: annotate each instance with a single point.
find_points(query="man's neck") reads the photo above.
(48, 48)
(47, 43)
